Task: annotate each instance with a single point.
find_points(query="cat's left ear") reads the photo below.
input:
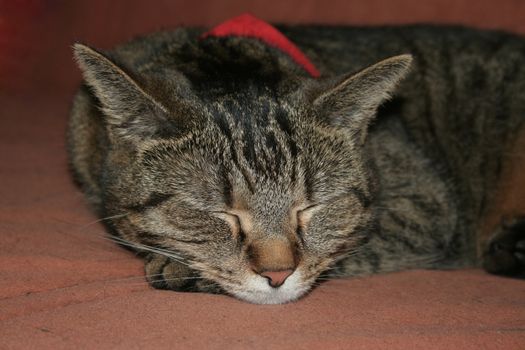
(130, 111)
(352, 102)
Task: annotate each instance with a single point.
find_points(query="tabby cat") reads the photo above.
(231, 170)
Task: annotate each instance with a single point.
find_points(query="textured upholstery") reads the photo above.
(63, 285)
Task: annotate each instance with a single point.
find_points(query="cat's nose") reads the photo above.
(277, 278)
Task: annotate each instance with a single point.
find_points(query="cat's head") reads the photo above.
(259, 190)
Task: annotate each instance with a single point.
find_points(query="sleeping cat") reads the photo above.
(232, 170)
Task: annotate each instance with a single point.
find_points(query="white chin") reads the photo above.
(256, 289)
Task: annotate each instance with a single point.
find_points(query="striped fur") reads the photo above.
(221, 160)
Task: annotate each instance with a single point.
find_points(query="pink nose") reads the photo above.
(276, 278)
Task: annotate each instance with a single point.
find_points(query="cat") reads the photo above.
(230, 170)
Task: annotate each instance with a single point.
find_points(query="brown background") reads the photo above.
(39, 55)
(63, 286)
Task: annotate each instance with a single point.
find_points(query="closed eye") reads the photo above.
(235, 224)
(303, 217)
(307, 212)
(310, 207)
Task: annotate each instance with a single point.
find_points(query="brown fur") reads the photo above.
(222, 162)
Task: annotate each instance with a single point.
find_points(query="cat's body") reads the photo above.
(226, 156)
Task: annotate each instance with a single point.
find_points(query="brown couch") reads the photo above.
(63, 285)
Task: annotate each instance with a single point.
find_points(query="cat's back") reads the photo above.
(463, 105)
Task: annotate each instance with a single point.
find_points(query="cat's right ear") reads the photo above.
(130, 111)
(351, 103)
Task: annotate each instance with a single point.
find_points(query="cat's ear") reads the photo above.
(352, 102)
(130, 111)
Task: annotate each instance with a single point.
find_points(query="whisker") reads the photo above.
(81, 228)
(139, 246)
(330, 277)
(177, 279)
(410, 262)
(132, 278)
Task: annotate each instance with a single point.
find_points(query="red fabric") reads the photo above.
(63, 286)
(249, 26)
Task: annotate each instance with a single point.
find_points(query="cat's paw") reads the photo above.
(505, 252)
(165, 273)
